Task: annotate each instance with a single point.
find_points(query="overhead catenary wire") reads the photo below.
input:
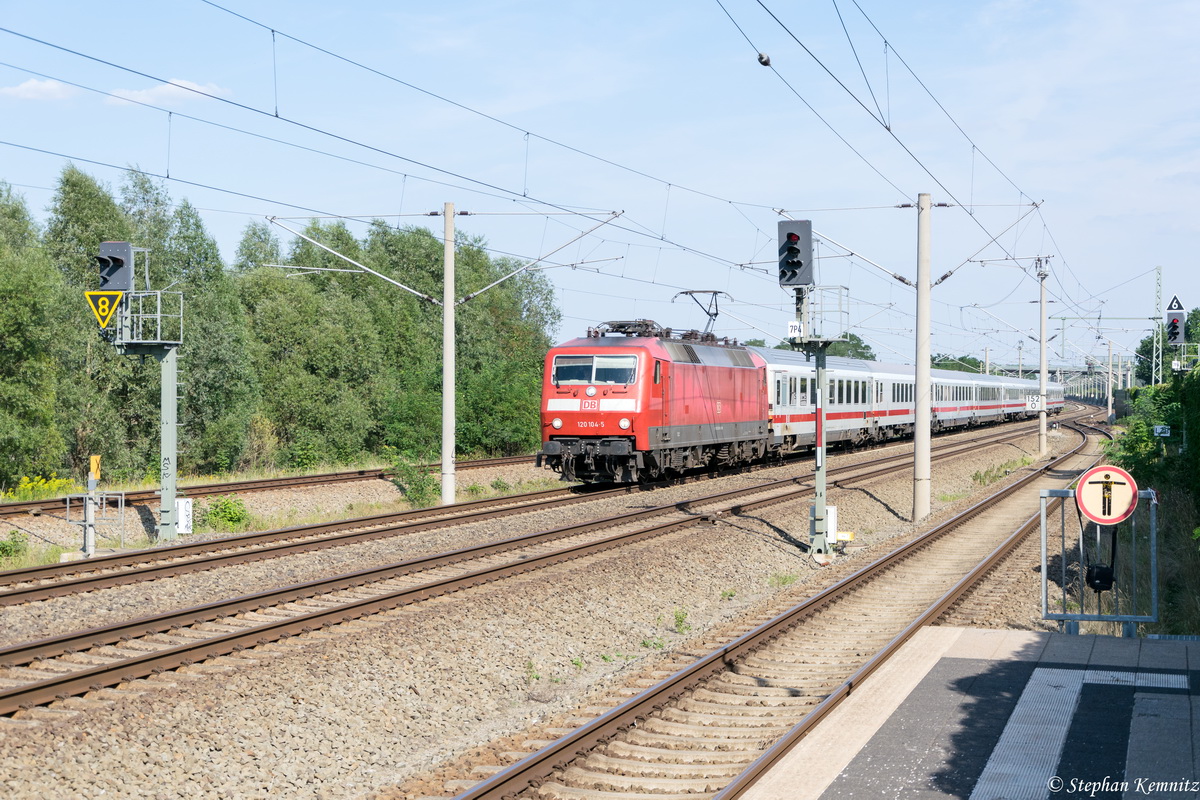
(464, 107)
(810, 107)
(654, 234)
(274, 31)
(879, 117)
(883, 123)
(511, 194)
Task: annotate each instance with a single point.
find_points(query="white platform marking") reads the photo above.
(1031, 745)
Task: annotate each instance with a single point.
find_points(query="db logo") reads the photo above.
(590, 405)
(718, 406)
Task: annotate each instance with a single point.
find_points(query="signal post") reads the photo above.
(144, 323)
(814, 305)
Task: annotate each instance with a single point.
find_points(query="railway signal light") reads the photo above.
(1175, 327)
(116, 266)
(795, 252)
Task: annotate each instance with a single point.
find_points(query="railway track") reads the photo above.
(59, 504)
(47, 581)
(41, 672)
(712, 725)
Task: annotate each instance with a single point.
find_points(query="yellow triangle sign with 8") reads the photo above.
(104, 305)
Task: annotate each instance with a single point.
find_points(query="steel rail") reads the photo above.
(165, 562)
(534, 770)
(97, 677)
(782, 746)
(143, 496)
(26, 652)
(169, 562)
(764, 762)
(49, 689)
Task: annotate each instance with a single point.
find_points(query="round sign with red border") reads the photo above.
(1106, 495)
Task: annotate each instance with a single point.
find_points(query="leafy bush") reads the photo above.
(414, 480)
(225, 513)
(15, 546)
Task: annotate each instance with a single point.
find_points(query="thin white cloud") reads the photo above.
(175, 91)
(34, 89)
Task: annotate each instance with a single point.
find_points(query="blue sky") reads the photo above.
(519, 111)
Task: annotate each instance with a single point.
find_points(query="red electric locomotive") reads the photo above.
(629, 401)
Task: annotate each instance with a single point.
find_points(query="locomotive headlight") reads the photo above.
(556, 423)
(591, 391)
(624, 423)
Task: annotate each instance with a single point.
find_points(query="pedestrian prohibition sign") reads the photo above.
(1106, 495)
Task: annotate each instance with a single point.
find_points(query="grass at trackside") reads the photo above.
(19, 550)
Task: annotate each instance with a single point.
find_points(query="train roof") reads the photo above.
(696, 348)
(686, 351)
(881, 369)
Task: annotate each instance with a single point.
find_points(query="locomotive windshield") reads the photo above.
(594, 369)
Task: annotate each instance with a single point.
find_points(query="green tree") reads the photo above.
(221, 386)
(258, 246)
(30, 290)
(147, 207)
(957, 363)
(192, 253)
(319, 359)
(17, 228)
(853, 347)
(83, 214)
(107, 404)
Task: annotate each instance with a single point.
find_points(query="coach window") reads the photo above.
(792, 393)
(658, 372)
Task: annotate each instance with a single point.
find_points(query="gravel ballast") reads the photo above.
(364, 706)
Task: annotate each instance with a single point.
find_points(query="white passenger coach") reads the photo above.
(867, 401)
